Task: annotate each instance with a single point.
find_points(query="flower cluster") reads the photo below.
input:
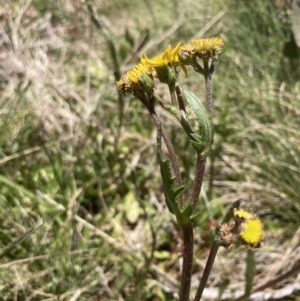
(245, 228)
(165, 67)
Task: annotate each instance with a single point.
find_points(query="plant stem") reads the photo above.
(187, 265)
(187, 229)
(200, 168)
(188, 233)
(173, 96)
(180, 99)
(207, 71)
(170, 150)
(211, 175)
(209, 264)
(212, 254)
(208, 85)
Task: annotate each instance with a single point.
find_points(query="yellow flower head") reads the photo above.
(165, 64)
(208, 48)
(242, 214)
(169, 57)
(186, 54)
(252, 232)
(136, 78)
(137, 72)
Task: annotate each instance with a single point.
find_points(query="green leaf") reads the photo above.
(202, 137)
(168, 182)
(171, 193)
(185, 215)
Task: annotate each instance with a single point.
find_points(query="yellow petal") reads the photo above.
(243, 214)
(252, 231)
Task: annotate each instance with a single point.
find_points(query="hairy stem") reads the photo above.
(207, 71)
(180, 99)
(200, 168)
(173, 96)
(186, 276)
(211, 176)
(209, 264)
(208, 86)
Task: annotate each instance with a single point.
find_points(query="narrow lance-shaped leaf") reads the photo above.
(183, 215)
(171, 194)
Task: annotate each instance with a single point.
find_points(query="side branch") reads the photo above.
(171, 152)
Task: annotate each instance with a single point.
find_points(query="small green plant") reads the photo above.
(238, 226)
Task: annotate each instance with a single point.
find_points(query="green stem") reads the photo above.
(173, 96)
(187, 265)
(180, 99)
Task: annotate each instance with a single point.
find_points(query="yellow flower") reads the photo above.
(136, 78)
(187, 48)
(168, 57)
(208, 48)
(163, 63)
(135, 74)
(252, 231)
(242, 214)
(186, 54)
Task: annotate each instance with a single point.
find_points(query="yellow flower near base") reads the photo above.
(243, 214)
(250, 228)
(252, 232)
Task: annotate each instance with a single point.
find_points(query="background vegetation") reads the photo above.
(82, 209)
